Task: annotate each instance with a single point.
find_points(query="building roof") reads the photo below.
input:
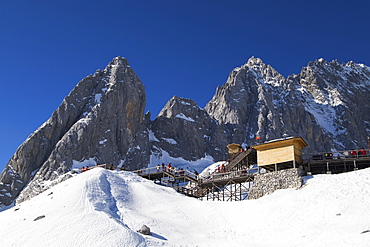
(281, 142)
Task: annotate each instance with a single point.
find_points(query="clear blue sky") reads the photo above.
(177, 47)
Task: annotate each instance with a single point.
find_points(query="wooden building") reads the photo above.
(280, 154)
(234, 149)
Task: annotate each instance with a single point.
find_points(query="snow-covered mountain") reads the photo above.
(182, 129)
(97, 122)
(322, 104)
(102, 121)
(106, 208)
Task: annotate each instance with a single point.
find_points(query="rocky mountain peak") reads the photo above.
(245, 90)
(255, 61)
(185, 131)
(263, 73)
(177, 105)
(118, 62)
(95, 124)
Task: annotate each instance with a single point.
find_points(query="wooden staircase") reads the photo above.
(236, 160)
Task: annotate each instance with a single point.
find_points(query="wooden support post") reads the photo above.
(276, 167)
(240, 190)
(231, 192)
(213, 193)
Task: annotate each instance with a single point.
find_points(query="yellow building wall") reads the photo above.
(276, 155)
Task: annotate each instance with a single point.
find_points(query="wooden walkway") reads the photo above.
(219, 186)
(168, 177)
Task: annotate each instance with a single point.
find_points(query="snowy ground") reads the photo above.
(105, 208)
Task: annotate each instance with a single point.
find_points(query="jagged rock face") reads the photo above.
(183, 129)
(337, 95)
(97, 121)
(257, 101)
(318, 104)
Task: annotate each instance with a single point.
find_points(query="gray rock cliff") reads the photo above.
(319, 104)
(183, 129)
(97, 121)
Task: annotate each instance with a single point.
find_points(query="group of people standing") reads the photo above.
(84, 169)
(168, 168)
(221, 168)
(172, 169)
(359, 152)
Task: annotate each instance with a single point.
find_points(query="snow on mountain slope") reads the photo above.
(105, 208)
(321, 104)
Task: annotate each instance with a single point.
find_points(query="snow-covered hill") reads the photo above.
(105, 208)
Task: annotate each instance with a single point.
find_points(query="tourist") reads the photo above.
(362, 152)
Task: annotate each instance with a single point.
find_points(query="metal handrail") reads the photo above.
(346, 154)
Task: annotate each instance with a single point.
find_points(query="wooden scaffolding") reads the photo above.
(231, 184)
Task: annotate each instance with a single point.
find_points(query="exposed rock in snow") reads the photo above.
(319, 104)
(181, 127)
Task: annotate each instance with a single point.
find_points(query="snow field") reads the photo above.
(106, 208)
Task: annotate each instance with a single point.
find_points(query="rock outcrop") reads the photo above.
(184, 130)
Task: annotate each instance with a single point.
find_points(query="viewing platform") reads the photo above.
(336, 161)
(168, 177)
(191, 184)
(233, 179)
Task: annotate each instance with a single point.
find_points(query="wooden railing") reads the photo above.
(236, 160)
(171, 172)
(228, 175)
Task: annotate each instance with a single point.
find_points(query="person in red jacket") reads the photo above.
(353, 153)
(362, 152)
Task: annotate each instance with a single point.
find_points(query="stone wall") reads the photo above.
(267, 183)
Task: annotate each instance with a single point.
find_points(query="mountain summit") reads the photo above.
(319, 104)
(95, 123)
(102, 121)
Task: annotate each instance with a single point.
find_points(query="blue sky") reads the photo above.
(176, 47)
